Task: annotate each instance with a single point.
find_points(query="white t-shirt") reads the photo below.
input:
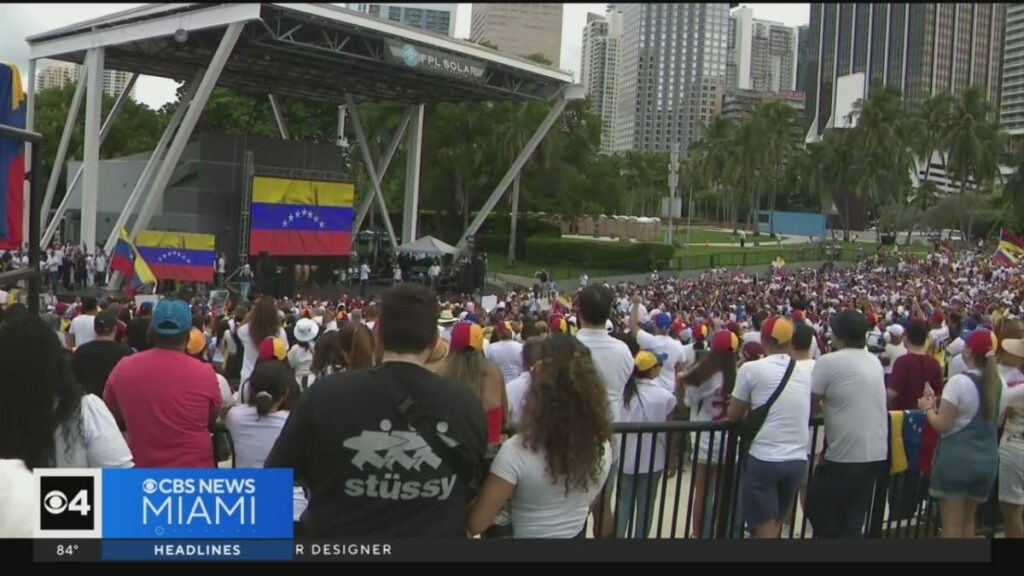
(220, 265)
(672, 348)
(251, 351)
(893, 352)
(856, 418)
(961, 392)
(82, 329)
(956, 365)
(435, 271)
(300, 360)
(652, 403)
(507, 355)
(364, 272)
(707, 404)
(101, 263)
(540, 506)
(253, 435)
(613, 362)
(100, 444)
(16, 487)
(752, 336)
(783, 437)
(515, 390)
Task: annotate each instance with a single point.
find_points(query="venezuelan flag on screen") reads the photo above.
(127, 261)
(12, 158)
(178, 255)
(301, 217)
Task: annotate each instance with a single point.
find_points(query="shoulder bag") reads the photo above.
(750, 426)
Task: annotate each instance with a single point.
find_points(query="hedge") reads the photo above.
(640, 256)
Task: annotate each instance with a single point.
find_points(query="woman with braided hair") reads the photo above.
(553, 469)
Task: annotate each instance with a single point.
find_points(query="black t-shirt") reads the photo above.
(93, 362)
(138, 333)
(368, 475)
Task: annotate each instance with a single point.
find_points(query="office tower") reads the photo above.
(437, 18)
(520, 29)
(922, 49)
(601, 38)
(803, 46)
(1011, 117)
(672, 71)
(762, 54)
(60, 74)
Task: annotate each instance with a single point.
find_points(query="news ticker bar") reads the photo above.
(69, 550)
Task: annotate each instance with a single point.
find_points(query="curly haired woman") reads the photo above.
(554, 467)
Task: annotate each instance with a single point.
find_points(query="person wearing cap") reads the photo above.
(167, 401)
(93, 362)
(677, 357)
(197, 347)
(777, 458)
(644, 400)
(848, 387)
(81, 330)
(966, 461)
(506, 353)
(615, 364)
(894, 348)
(300, 356)
(336, 437)
(467, 365)
(938, 337)
(263, 321)
(1010, 360)
(706, 387)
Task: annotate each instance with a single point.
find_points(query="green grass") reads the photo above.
(702, 235)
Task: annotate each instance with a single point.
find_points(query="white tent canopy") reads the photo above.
(430, 246)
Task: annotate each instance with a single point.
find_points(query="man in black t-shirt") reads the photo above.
(138, 328)
(93, 361)
(369, 474)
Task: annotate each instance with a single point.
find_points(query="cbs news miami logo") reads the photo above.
(137, 503)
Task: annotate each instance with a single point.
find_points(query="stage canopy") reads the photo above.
(314, 52)
(430, 246)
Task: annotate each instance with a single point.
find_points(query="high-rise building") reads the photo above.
(520, 29)
(922, 49)
(437, 18)
(1011, 114)
(803, 46)
(601, 38)
(672, 71)
(762, 54)
(60, 74)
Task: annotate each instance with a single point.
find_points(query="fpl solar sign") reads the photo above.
(434, 61)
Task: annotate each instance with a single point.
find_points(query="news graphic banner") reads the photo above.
(169, 514)
(178, 255)
(301, 217)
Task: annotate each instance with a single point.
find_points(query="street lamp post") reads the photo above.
(673, 183)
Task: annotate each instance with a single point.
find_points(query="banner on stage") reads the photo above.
(293, 217)
(178, 255)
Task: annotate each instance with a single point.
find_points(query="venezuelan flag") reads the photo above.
(301, 217)
(178, 255)
(1011, 248)
(12, 158)
(129, 263)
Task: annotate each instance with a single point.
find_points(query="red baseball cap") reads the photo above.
(779, 328)
(982, 342)
(724, 340)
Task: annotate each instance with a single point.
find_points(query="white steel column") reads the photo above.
(413, 151)
(62, 148)
(30, 149)
(51, 228)
(364, 146)
(188, 123)
(282, 125)
(885, 60)
(154, 160)
(570, 93)
(91, 149)
(341, 126)
(367, 202)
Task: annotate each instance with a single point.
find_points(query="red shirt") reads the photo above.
(909, 374)
(167, 400)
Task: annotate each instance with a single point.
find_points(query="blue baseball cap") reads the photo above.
(663, 320)
(172, 318)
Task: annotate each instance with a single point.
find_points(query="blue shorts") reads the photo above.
(767, 489)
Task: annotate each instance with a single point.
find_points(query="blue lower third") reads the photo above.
(198, 550)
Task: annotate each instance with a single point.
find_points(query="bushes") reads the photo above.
(623, 255)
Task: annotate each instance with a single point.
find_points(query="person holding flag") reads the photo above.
(127, 261)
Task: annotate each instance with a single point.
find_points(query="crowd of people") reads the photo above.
(409, 415)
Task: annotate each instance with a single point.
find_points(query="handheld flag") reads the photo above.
(178, 255)
(12, 159)
(129, 263)
(1011, 248)
(301, 217)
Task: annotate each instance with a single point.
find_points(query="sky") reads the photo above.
(20, 20)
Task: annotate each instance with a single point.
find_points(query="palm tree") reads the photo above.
(973, 143)
(1013, 189)
(776, 121)
(748, 153)
(830, 169)
(931, 122)
(714, 156)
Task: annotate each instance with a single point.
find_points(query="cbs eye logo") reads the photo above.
(66, 503)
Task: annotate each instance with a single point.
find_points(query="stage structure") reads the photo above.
(315, 52)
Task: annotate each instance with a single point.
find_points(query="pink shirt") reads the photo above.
(167, 400)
